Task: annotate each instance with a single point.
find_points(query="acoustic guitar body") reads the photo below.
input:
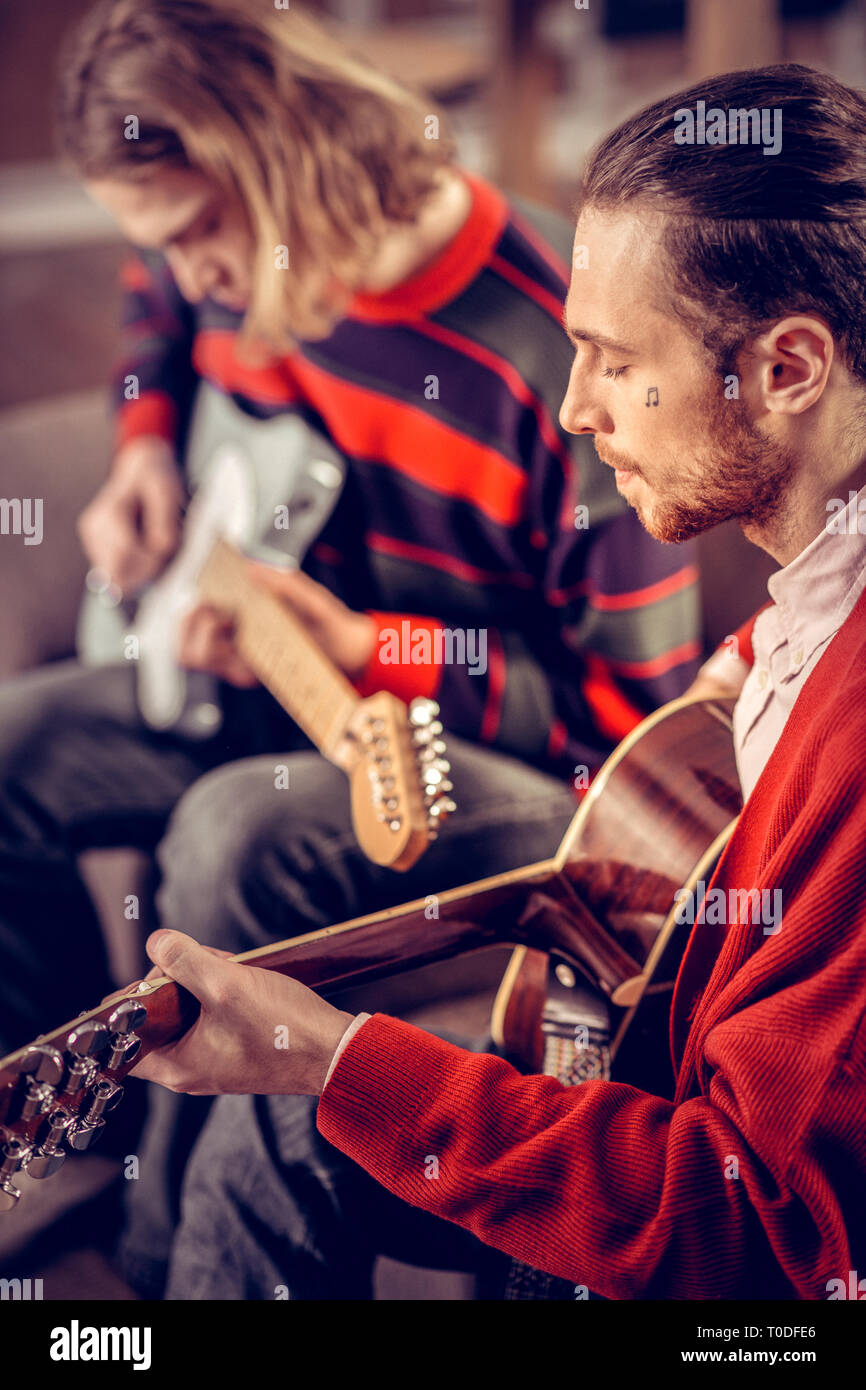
(654, 821)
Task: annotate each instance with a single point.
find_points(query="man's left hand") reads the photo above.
(345, 636)
(258, 1033)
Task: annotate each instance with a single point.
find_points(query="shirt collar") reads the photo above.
(456, 266)
(815, 593)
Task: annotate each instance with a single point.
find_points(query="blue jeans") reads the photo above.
(272, 1210)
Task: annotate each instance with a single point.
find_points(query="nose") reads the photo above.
(579, 413)
(195, 275)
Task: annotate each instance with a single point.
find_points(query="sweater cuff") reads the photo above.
(153, 412)
(384, 1080)
(402, 661)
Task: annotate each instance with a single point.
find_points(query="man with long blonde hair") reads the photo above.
(307, 244)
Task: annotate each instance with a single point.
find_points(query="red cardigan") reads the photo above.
(752, 1183)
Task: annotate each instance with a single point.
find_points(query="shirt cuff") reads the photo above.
(344, 1043)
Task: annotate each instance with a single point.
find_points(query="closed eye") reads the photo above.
(613, 372)
(211, 227)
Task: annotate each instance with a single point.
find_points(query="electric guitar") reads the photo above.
(605, 908)
(266, 488)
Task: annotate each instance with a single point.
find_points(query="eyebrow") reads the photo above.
(588, 335)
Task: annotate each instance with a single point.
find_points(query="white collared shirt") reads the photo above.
(812, 597)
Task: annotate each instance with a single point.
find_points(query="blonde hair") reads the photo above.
(322, 151)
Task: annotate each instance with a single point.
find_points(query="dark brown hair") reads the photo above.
(751, 237)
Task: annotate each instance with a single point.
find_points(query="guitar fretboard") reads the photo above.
(280, 650)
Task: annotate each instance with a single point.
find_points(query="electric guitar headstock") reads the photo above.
(398, 775)
(393, 756)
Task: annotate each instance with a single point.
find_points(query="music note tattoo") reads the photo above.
(653, 391)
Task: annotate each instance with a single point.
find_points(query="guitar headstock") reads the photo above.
(399, 780)
(55, 1093)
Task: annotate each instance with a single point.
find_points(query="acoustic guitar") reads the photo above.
(605, 908)
(265, 488)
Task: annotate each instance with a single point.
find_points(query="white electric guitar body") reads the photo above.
(264, 489)
(222, 509)
(248, 478)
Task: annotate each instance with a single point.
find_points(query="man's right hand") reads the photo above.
(132, 527)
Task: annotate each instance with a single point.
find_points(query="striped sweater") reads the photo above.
(466, 505)
(750, 1183)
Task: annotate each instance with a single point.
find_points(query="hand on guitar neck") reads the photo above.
(257, 1032)
(347, 638)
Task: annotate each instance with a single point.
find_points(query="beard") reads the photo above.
(738, 475)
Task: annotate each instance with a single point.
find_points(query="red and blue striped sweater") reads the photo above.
(460, 505)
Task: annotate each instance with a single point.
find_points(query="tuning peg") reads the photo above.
(37, 1099)
(83, 1136)
(372, 730)
(42, 1063)
(44, 1165)
(105, 1096)
(127, 1017)
(434, 775)
(422, 711)
(442, 807)
(79, 1074)
(46, 1160)
(88, 1039)
(125, 1048)
(84, 1133)
(12, 1153)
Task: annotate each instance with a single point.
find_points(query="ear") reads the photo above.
(792, 361)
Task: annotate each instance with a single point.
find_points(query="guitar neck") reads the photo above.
(401, 938)
(276, 645)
